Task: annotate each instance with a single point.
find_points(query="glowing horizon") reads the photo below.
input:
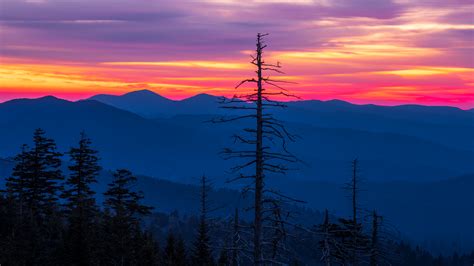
(394, 52)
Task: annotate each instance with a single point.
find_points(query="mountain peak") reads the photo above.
(201, 97)
(143, 92)
(49, 98)
(45, 99)
(338, 102)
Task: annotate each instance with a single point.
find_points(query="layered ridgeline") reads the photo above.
(393, 143)
(410, 155)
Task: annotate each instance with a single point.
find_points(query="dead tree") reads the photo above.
(354, 189)
(332, 242)
(374, 245)
(261, 155)
(355, 241)
(325, 245)
(382, 239)
(235, 239)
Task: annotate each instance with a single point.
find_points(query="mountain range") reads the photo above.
(393, 143)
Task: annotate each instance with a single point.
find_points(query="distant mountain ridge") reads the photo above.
(389, 148)
(151, 104)
(449, 126)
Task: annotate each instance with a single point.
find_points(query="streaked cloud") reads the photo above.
(427, 71)
(191, 64)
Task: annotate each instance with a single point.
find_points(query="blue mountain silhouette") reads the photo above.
(391, 146)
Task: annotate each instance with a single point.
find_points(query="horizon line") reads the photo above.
(186, 98)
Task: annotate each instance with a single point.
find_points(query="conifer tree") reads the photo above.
(181, 258)
(149, 253)
(174, 252)
(169, 252)
(202, 254)
(80, 202)
(122, 200)
(34, 187)
(125, 213)
(35, 179)
(16, 184)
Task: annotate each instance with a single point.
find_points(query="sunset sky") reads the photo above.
(363, 51)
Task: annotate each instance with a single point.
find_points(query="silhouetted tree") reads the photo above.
(33, 189)
(174, 252)
(36, 176)
(149, 252)
(374, 240)
(123, 220)
(16, 184)
(169, 253)
(80, 202)
(202, 253)
(236, 239)
(181, 256)
(354, 240)
(261, 155)
(326, 243)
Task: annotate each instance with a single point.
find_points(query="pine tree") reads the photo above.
(125, 213)
(149, 252)
(202, 254)
(169, 254)
(16, 184)
(34, 186)
(122, 200)
(46, 163)
(181, 258)
(80, 202)
(35, 179)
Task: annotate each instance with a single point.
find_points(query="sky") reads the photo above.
(385, 52)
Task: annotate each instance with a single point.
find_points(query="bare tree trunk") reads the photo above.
(354, 191)
(374, 249)
(327, 248)
(258, 153)
(354, 211)
(235, 239)
(259, 162)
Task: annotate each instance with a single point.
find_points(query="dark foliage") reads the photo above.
(202, 253)
(80, 205)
